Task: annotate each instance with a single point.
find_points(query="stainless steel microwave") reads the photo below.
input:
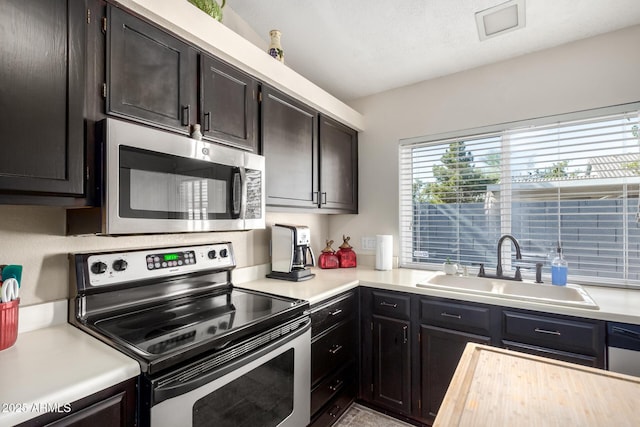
(155, 181)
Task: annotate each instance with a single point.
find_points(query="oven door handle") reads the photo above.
(170, 385)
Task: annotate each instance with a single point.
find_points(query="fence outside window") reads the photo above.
(570, 180)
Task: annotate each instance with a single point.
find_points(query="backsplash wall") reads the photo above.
(34, 237)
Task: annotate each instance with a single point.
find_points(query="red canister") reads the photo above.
(346, 255)
(328, 258)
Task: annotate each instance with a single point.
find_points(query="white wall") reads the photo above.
(596, 72)
(34, 237)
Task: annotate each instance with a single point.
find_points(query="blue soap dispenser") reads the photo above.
(559, 269)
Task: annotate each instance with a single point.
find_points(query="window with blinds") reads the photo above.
(573, 183)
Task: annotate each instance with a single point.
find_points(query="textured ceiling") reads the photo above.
(355, 48)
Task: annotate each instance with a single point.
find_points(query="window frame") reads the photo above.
(503, 130)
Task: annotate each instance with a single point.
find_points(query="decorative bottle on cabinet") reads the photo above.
(346, 255)
(328, 257)
(275, 48)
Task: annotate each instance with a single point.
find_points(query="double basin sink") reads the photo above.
(569, 295)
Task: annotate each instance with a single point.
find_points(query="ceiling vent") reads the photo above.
(500, 19)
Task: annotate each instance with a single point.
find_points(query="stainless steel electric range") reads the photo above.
(210, 353)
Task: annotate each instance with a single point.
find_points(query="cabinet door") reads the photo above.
(391, 364)
(42, 56)
(151, 75)
(229, 104)
(114, 406)
(338, 166)
(440, 351)
(290, 147)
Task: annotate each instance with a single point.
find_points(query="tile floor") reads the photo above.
(359, 416)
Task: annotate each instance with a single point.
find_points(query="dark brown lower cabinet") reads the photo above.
(440, 352)
(111, 407)
(566, 338)
(392, 364)
(334, 357)
(408, 378)
(341, 401)
(579, 359)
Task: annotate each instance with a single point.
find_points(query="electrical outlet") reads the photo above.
(368, 243)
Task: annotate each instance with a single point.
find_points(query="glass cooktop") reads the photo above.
(181, 323)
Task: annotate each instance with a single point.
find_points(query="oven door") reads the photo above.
(267, 388)
(158, 182)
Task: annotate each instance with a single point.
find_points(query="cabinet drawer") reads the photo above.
(330, 414)
(556, 333)
(456, 316)
(332, 350)
(392, 305)
(579, 359)
(337, 310)
(332, 386)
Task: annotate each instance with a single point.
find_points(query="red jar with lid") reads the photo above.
(346, 255)
(328, 258)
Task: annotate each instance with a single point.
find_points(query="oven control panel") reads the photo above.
(170, 259)
(120, 267)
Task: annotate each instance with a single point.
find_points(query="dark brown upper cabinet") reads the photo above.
(338, 166)
(228, 104)
(42, 60)
(311, 160)
(151, 75)
(290, 146)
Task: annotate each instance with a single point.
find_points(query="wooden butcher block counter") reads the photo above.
(498, 387)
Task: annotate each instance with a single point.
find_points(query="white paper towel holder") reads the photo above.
(384, 252)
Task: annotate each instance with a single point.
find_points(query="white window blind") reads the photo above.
(573, 182)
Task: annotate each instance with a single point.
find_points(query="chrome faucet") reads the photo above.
(499, 275)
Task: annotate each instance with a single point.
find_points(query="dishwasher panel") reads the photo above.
(623, 345)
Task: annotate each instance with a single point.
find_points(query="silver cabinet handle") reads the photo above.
(338, 385)
(544, 331)
(386, 304)
(405, 335)
(336, 312)
(455, 316)
(334, 411)
(336, 348)
(186, 115)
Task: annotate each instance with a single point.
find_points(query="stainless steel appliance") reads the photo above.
(210, 353)
(159, 182)
(291, 252)
(623, 348)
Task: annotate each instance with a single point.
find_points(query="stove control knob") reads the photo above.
(98, 267)
(223, 253)
(120, 265)
(212, 254)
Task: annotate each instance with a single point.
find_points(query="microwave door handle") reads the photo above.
(238, 193)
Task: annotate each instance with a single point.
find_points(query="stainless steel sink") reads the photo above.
(569, 295)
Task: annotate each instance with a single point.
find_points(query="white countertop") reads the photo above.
(58, 364)
(620, 305)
